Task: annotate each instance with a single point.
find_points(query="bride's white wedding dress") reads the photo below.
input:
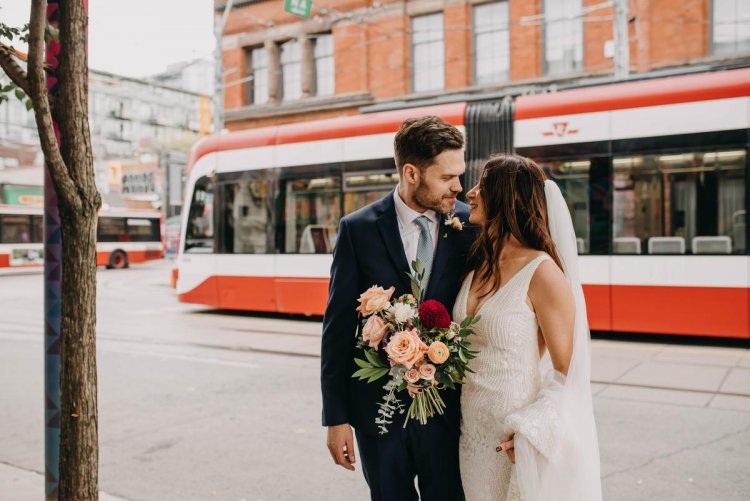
(503, 395)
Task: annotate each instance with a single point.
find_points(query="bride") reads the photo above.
(527, 429)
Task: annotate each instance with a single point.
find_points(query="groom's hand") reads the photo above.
(341, 445)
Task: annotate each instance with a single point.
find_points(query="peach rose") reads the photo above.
(374, 299)
(412, 376)
(438, 352)
(374, 330)
(405, 348)
(427, 372)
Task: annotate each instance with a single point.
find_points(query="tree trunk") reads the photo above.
(71, 166)
(79, 454)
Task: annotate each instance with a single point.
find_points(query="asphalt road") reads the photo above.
(197, 404)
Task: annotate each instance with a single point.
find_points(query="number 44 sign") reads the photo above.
(299, 8)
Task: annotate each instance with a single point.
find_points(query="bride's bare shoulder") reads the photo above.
(549, 281)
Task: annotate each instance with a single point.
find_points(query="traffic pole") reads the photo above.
(52, 281)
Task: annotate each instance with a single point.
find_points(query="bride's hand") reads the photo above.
(507, 446)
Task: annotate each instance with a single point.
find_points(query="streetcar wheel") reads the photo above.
(118, 260)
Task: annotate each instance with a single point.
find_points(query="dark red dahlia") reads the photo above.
(433, 314)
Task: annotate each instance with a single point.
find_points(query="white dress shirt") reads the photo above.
(410, 230)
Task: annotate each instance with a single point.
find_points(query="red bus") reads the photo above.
(124, 237)
(655, 173)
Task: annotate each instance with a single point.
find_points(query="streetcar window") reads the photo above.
(572, 176)
(111, 229)
(37, 229)
(671, 199)
(15, 229)
(143, 230)
(199, 236)
(246, 219)
(311, 214)
(362, 188)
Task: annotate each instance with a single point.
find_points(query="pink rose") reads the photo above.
(374, 299)
(412, 376)
(406, 348)
(427, 372)
(374, 330)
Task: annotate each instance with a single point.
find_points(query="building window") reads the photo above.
(563, 36)
(291, 70)
(428, 53)
(731, 26)
(257, 76)
(491, 43)
(324, 69)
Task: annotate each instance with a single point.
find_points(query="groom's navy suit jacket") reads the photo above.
(368, 252)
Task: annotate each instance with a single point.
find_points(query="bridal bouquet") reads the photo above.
(416, 344)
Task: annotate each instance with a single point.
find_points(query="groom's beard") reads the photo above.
(424, 199)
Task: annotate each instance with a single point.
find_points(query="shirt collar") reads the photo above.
(407, 215)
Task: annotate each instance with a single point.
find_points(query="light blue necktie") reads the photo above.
(425, 250)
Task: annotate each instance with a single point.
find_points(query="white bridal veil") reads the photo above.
(571, 470)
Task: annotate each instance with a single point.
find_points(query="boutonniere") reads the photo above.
(453, 221)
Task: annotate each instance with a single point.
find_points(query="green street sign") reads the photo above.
(299, 8)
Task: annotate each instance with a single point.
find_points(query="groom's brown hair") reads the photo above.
(420, 140)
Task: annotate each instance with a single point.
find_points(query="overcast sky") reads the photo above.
(137, 38)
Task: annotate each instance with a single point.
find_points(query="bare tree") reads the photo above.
(70, 163)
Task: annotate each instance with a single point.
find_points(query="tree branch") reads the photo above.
(64, 185)
(13, 69)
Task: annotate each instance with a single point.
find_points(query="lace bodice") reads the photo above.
(503, 395)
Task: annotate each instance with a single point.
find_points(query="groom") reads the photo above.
(376, 245)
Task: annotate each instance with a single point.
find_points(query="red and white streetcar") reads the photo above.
(124, 237)
(655, 173)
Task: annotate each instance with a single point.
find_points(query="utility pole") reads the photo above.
(219, 24)
(622, 44)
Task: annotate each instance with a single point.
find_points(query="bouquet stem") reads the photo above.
(424, 405)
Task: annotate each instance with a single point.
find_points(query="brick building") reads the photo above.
(351, 56)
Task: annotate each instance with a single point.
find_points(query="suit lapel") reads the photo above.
(388, 227)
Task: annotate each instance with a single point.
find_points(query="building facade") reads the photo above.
(134, 125)
(351, 56)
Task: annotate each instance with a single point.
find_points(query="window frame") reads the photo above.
(283, 97)
(250, 96)
(712, 29)
(474, 35)
(314, 63)
(413, 45)
(545, 64)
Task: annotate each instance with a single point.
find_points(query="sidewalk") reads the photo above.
(17, 484)
(700, 376)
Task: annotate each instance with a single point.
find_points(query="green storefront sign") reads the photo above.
(299, 8)
(21, 195)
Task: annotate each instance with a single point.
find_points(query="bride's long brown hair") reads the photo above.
(512, 191)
